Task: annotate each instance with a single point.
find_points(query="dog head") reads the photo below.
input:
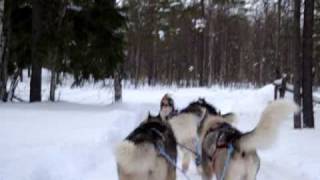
(151, 129)
(200, 108)
(207, 106)
(152, 118)
(208, 113)
(138, 154)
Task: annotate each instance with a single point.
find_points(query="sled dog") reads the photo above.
(230, 154)
(148, 153)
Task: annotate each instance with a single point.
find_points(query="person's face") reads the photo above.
(166, 107)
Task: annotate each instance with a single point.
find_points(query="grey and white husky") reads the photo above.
(138, 157)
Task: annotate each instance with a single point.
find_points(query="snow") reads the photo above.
(173, 4)
(74, 7)
(74, 139)
(199, 24)
(161, 35)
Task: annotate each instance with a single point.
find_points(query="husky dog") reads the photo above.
(140, 156)
(185, 126)
(230, 154)
(167, 107)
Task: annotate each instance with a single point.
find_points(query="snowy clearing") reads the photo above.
(74, 138)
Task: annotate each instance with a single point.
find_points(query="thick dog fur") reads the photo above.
(263, 136)
(185, 130)
(244, 164)
(138, 157)
(185, 126)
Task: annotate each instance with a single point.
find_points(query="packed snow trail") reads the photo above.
(74, 139)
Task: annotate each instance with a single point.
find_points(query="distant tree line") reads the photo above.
(206, 42)
(226, 42)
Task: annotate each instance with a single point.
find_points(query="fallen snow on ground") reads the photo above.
(74, 139)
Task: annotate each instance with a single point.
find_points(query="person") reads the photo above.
(167, 108)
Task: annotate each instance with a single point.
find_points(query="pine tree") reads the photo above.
(16, 43)
(307, 56)
(5, 19)
(94, 42)
(297, 61)
(36, 63)
(84, 38)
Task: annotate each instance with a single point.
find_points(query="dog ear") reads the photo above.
(229, 117)
(201, 100)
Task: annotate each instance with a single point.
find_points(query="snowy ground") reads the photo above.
(74, 138)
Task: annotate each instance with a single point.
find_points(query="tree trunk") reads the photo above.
(137, 59)
(14, 84)
(53, 85)
(202, 48)
(21, 76)
(307, 50)
(297, 61)
(210, 48)
(35, 83)
(53, 57)
(4, 49)
(55, 53)
(195, 62)
(117, 84)
(54, 77)
(29, 71)
(3, 83)
(3, 73)
(154, 61)
(278, 61)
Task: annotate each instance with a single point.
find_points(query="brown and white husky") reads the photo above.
(218, 137)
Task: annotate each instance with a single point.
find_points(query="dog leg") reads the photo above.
(205, 177)
(122, 175)
(251, 176)
(186, 161)
(171, 173)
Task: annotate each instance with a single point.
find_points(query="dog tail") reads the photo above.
(265, 133)
(135, 158)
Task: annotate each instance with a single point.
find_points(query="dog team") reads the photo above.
(201, 134)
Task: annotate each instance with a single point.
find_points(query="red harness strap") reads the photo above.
(213, 157)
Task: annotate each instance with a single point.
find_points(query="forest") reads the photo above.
(184, 43)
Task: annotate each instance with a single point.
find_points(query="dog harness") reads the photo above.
(161, 150)
(227, 161)
(224, 128)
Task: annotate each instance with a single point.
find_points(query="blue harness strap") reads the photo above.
(170, 160)
(163, 153)
(227, 162)
(198, 151)
(186, 148)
